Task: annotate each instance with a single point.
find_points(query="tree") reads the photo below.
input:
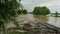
(8, 11)
(24, 11)
(41, 10)
(37, 10)
(19, 11)
(56, 14)
(45, 10)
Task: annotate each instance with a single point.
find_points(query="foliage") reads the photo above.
(8, 11)
(19, 11)
(41, 10)
(45, 10)
(36, 10)
(24, 11)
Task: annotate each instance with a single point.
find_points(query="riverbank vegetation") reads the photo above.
(8, 12)
(22, 11)
(37, 11)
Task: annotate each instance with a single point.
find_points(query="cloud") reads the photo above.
(53, 5)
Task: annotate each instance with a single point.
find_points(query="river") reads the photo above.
(35, 18)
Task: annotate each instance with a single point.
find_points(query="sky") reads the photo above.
(53, 5)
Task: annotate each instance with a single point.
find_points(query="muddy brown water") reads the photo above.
(28, 18)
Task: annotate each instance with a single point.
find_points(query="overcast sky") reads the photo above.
(53, 5)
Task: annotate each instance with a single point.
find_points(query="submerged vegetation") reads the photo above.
(41, 10)
(56, 14)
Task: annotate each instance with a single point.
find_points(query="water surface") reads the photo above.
(47, 19)
(28, 18)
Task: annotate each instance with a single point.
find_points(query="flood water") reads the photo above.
(28, 18)
(47, 19)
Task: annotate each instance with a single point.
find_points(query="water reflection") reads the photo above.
(54, 21)
(41, 17)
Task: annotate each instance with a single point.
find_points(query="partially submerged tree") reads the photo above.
(37, 10)
(45, 10)
(56, 14)
(41, 10)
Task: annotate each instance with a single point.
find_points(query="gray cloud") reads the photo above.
(53, 5)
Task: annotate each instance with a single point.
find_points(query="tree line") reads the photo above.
(37, 11)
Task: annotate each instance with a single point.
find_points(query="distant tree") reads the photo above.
(24, 11)
(30, 12)
(45, 10)
(37, 10)
(56, 14)
(19, 11)
(41, 10)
